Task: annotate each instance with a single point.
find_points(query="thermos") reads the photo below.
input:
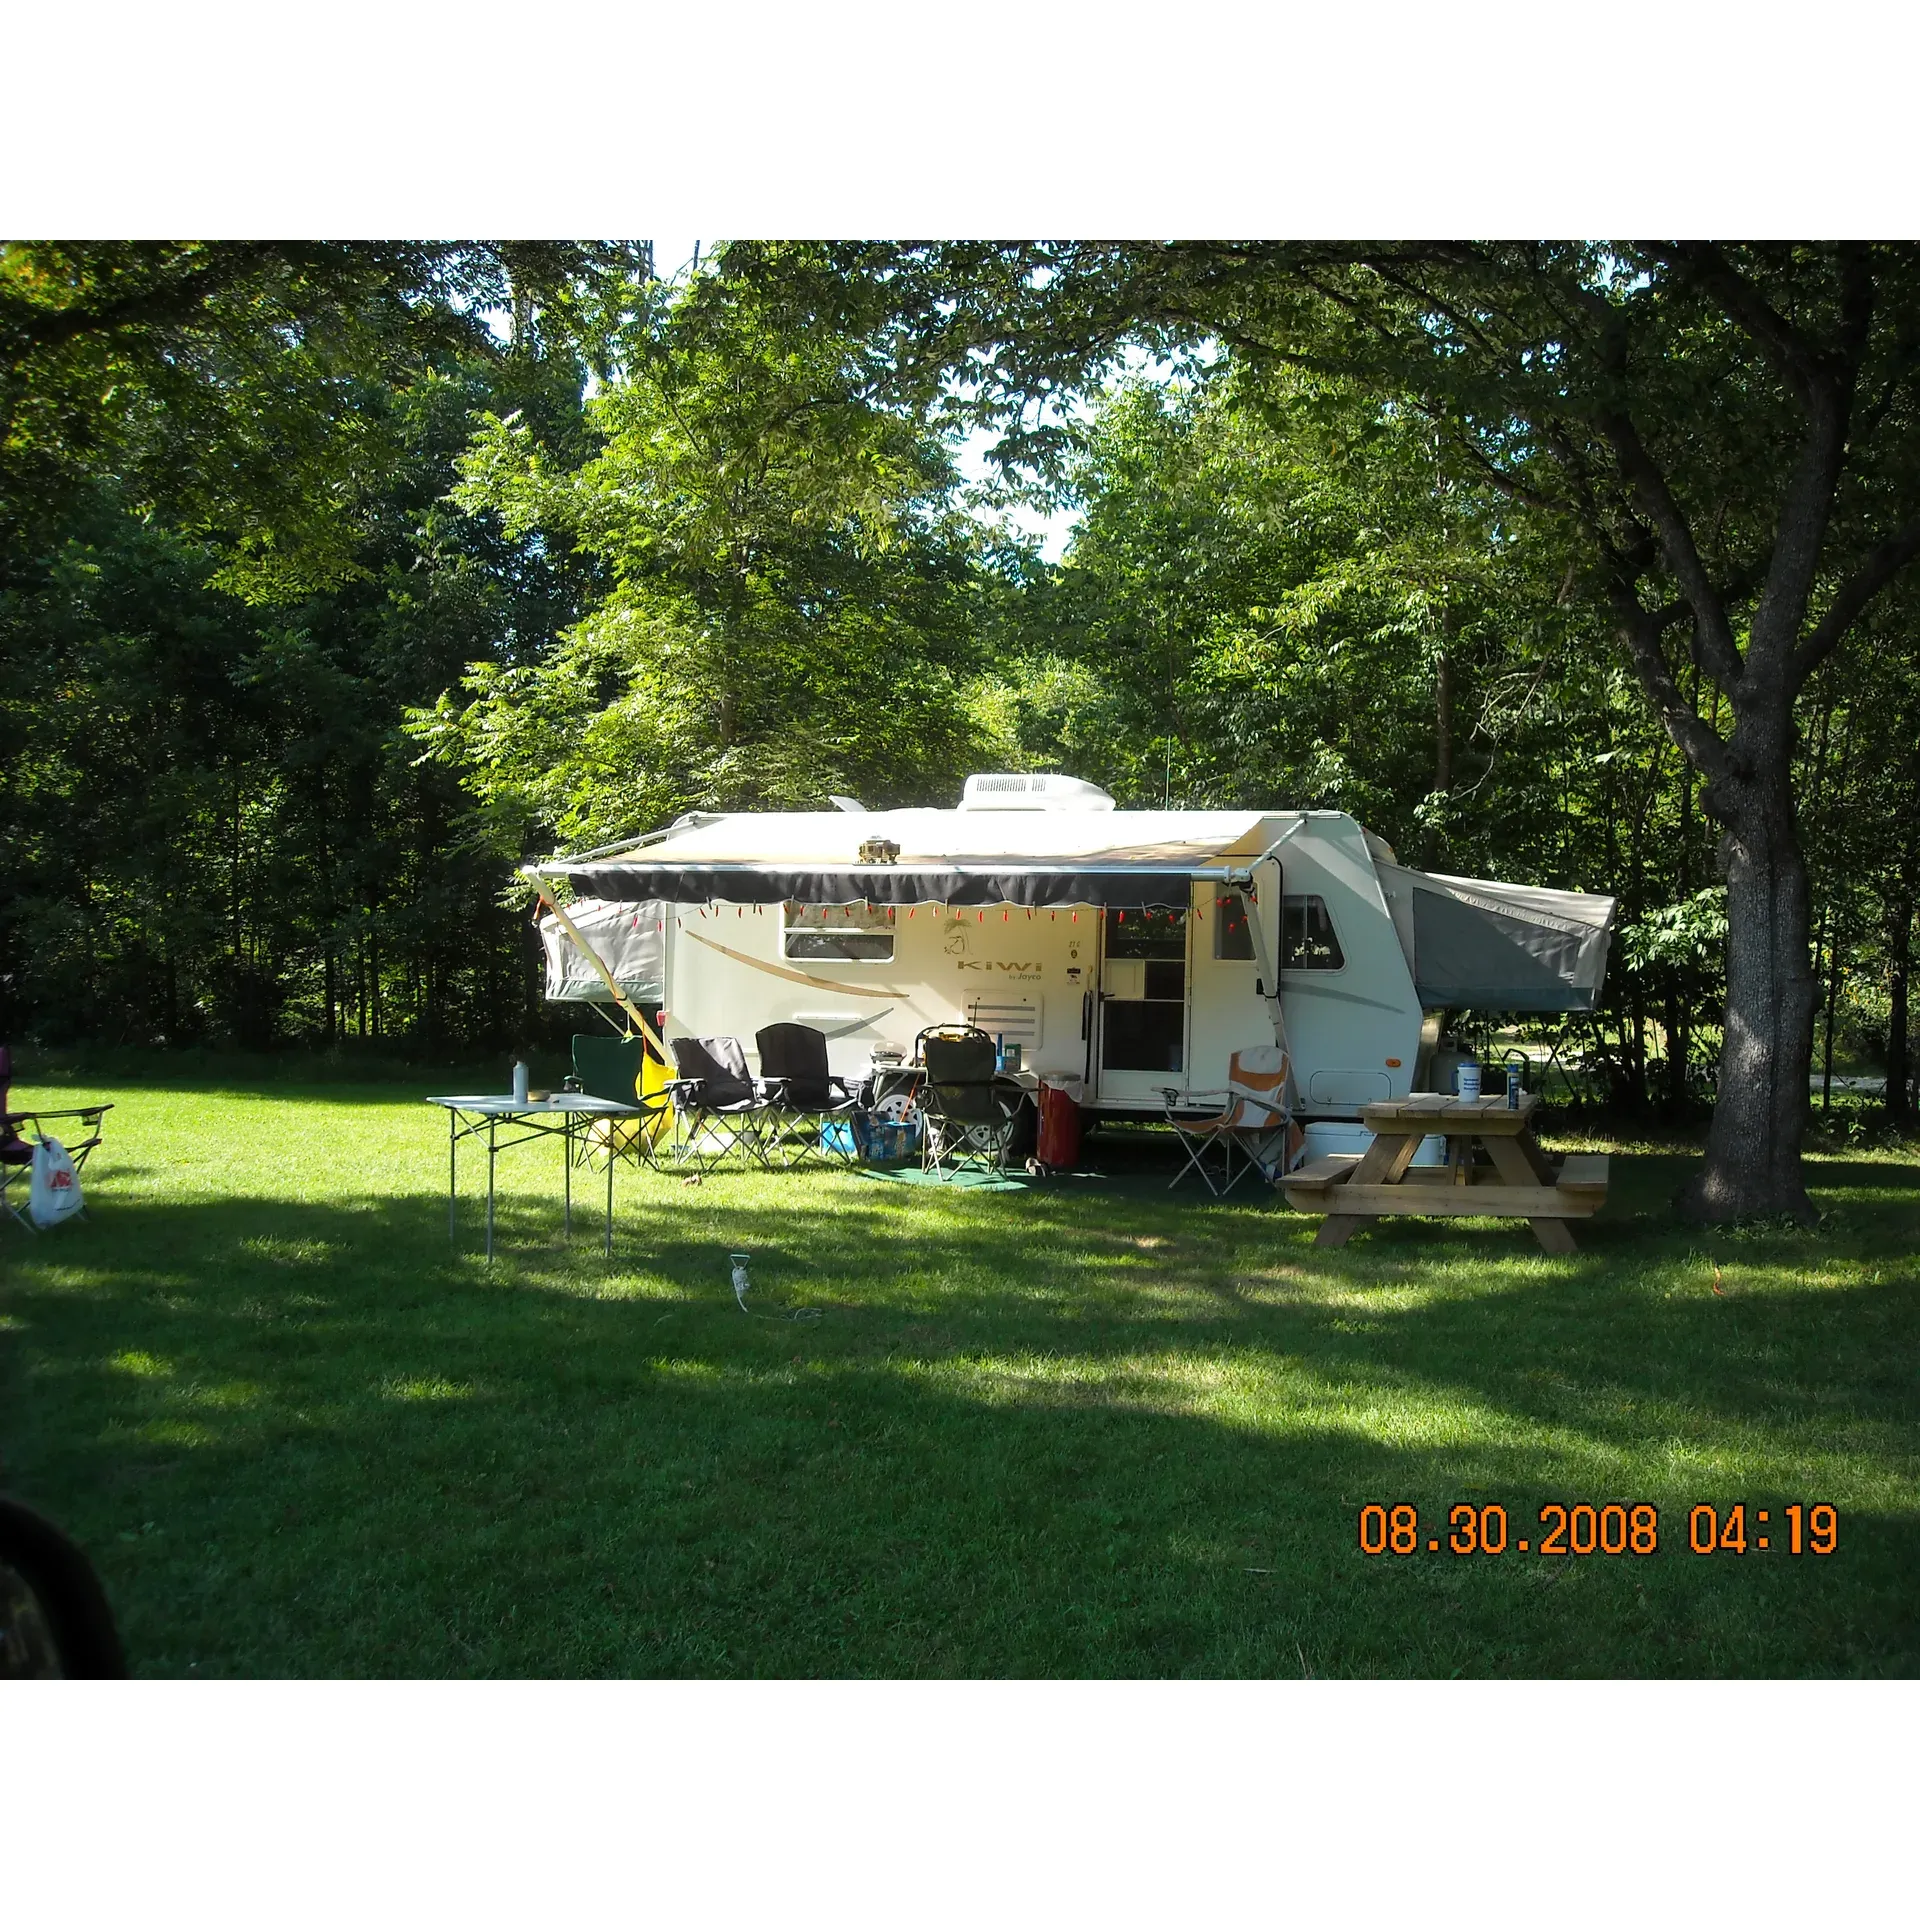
(519, 1083)
(1469, 1072)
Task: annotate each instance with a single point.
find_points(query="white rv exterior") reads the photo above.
(1005, 913)
(1045, 976)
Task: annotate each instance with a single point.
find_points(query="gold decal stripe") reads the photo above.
(787, 973)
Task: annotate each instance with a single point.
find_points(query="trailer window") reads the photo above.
(858, 930)
(1308, 943)
(1231, 940)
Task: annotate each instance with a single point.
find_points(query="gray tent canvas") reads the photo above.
(1487, 946)
(624, 933)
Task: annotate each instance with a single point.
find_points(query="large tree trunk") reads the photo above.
(1760, 1109)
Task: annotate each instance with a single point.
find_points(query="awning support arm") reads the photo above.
(695, 819)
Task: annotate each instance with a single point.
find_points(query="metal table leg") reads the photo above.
(611, 1158)
(453, 1156)
(566, 1147)
(491, 1150)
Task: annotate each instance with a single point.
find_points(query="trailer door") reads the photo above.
(1144, 979)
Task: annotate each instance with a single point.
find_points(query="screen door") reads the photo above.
(1143, 1004)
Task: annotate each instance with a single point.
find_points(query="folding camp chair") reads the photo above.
(16, 1152)
(718, 1105)
(610, 1068)
(1256, 1123)
(970, 1113)
(802, 1093)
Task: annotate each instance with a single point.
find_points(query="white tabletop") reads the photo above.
(505, 1103)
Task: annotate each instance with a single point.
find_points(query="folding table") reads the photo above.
(470, 1114)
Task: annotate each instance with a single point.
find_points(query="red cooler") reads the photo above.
(1059, 1143)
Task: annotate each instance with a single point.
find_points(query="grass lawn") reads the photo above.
(1092, 1428)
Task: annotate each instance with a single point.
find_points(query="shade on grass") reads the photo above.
(1087, 1428)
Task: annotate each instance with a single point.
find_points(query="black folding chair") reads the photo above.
(970, 1113)
(802, 1093)
(719, 1107)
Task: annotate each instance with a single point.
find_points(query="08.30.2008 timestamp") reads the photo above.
(1617, 1529)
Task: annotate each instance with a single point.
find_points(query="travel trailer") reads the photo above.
(1124, 952)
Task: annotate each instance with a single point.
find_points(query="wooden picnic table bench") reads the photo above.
(1519, 1181)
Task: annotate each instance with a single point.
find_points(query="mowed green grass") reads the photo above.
(1090, 1429)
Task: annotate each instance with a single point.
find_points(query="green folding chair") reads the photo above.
(608, 1068)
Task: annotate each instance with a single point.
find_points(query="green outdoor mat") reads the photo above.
(965, 1177)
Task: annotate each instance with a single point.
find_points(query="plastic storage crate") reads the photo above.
(863, 1136)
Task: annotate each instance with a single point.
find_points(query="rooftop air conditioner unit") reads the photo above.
(1033, 793)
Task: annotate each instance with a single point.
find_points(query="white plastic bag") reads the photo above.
(53, 1190)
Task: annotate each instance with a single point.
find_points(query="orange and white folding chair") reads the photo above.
(1256, 1125)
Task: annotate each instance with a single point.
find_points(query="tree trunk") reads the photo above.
(1634, 1050)
(1442, 748)
(1899, 957)
(1677, 1046)
(1834, 943)
(1833, 1003)
(1760, 1108)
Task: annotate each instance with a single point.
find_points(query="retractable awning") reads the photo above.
(897, 886)
(955, 859)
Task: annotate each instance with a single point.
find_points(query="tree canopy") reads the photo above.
(335, 578)
(789, 588)
(1723, 435)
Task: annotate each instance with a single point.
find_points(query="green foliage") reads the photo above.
(1263, 582)
(219, 832)
(789, 598)
(335, 579)
(1688, 938)
(1719, 438)
(239, 389)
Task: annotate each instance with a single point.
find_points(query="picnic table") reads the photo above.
(1517, 1180)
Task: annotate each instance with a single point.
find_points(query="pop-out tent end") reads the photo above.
(1488, 946)
(625, 934)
